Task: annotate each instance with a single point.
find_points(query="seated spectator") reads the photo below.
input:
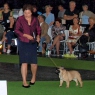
(44, 30)
(49, 16)
(85, 14)
(9, 34)
(36, 13)
(75, 31)
(5, 14)
(61, 11)
(70, 14)
(57, 34)
(89, 32)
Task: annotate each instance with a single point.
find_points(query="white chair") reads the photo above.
(49, 32)
(65, 49)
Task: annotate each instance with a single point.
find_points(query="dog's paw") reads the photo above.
(60, 85)
(67, 86)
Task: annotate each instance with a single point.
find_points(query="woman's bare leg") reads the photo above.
(70, 47)
(56, 40)
(33, 70)
(4, 38)
(24, 73)
(57, 47)
(9, 46)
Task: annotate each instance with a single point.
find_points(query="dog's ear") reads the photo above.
(62, 68)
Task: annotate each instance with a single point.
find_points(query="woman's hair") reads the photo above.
(7, 5)
(93, 18)
(34, 6)
(59, 20)
(43, 17)
(76, 18)
(28, 7)
(85, 5)
(48, 6)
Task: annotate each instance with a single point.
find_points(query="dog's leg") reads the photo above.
(76, 81)
(80, 81)
(67, 84)
(61, 82)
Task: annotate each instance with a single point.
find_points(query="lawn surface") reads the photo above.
(42, 61)
(51, 88)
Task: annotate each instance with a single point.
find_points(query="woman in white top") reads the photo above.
(75, 31)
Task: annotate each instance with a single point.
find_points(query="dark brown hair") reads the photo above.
(7, 5)
(43, 17)
(59, 20)
(27, 7)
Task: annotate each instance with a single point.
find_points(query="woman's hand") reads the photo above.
(86, 34)
(38, 39)
(28, 36)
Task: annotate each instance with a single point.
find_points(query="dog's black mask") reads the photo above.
(57, 71)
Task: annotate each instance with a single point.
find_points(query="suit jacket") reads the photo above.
(44, 30)
(22, 27)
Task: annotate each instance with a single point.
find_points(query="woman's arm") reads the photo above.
(11, 13)
(18, 29)
(1, 16)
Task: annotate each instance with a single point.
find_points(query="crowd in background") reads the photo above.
(53, 29)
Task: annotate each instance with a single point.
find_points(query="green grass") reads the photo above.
(42, 61)
(51, 88)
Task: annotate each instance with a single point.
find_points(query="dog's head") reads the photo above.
(59, 70)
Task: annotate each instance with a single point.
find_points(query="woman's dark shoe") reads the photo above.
(32, 83)
(26, 86)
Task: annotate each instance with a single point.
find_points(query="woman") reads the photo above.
(89, 32)
(49, 16)
(57, 34)
(85, 14)
(9, 34)
(5, 14)
(75, 31)
(28, 31)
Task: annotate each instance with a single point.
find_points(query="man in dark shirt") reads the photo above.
(70, 13)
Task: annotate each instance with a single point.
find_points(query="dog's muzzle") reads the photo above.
(57, 71)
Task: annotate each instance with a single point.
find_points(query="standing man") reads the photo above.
(71, 13)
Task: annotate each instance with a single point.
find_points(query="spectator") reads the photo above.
(49, 16)
(70, 14)
(5, 14)
(85, 14)
(75, 31)
(9, 34)
(61, 11)
(36, 13)
(44, 30)
(89, 32)
(57, 34)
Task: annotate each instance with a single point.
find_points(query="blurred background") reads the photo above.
(16, 4)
